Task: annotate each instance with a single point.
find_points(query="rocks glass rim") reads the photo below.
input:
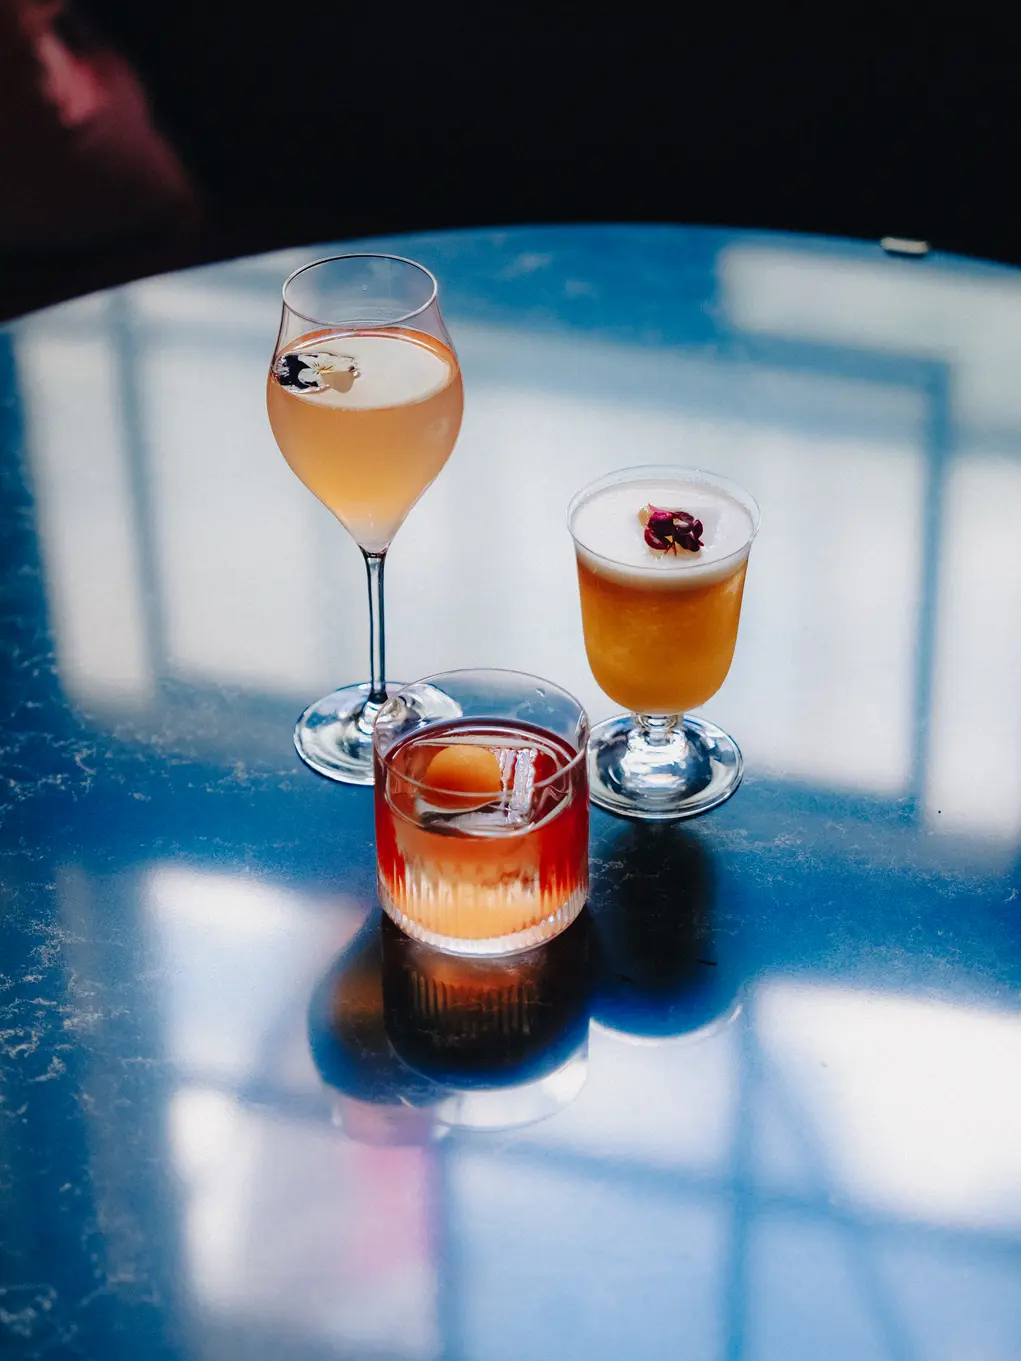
(465, 671)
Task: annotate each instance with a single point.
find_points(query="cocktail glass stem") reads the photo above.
(658, 730)
(661, 766)
(656, 754)
(334, 734)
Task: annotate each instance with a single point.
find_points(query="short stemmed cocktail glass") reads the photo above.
(662, 553)
(365, 398)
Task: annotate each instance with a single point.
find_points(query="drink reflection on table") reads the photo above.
(378, 1099)
(657, 970)
(414, 1043)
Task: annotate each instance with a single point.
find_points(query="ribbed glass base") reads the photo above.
(556, 918)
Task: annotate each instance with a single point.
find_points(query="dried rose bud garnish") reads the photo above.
(668, 530)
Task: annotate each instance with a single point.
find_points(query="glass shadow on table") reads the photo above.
(653, 907)
(414, 1043)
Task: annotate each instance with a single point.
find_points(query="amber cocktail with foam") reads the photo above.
(662, 554)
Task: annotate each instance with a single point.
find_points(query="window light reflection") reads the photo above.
(670, 1104)
(168, 577)
(232, 1012)
(897, 1105)
(543, 419)
(555, 1263)
(238, 553)
(835, 1172)
(287, 1224)
(957, 314)
(967, 324)
(88, 522)
(974, 776)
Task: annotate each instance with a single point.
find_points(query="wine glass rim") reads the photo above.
(648, 472)
(580, 754)
(362, 255)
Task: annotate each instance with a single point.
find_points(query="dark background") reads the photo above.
(310, 119)
(307, 123)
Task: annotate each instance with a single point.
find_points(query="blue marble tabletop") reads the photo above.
(767, 1105)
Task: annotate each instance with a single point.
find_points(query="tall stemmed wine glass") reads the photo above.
(365, 398)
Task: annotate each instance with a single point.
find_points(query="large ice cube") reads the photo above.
(524, 782)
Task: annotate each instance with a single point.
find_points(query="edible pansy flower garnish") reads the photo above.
(315, 372)
(668, 530)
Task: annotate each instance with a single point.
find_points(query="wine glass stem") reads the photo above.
(377, 628)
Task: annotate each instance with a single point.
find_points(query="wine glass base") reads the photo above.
(334, 735)
(698, 770)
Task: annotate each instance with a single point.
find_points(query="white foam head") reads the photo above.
(610, 537)
(393, 370)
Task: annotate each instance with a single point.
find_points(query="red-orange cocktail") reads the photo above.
(482, 817)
